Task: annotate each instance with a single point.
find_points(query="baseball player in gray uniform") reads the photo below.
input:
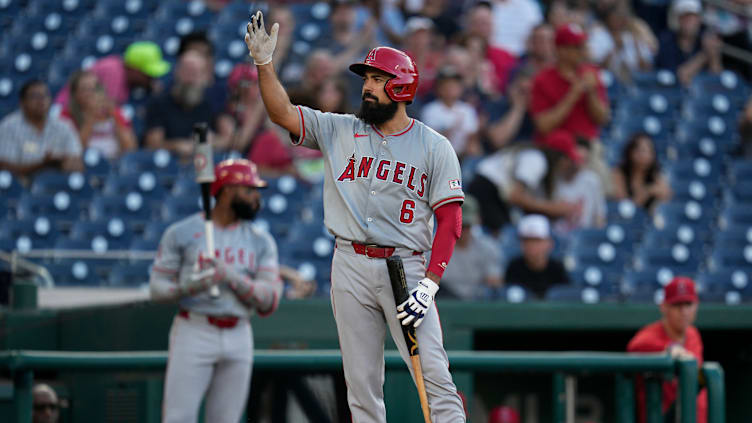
(211, 341)
(388, 178)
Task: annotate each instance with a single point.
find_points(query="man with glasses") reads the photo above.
(46, 407)
(32, 140)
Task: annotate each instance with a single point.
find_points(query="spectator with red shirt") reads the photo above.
(99, 123)
(479, 23)
(569, 96)
(676, 335)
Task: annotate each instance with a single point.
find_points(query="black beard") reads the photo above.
(375, 113)
(243, 210)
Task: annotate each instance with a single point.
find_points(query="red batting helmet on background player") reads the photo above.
(236, 172)
(404, 82)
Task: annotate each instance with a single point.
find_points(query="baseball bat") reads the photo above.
(399, 289)
(203, 161)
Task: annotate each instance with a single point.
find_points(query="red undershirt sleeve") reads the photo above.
(448, 230)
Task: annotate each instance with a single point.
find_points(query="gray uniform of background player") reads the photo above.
(205, 359)
(372, 209)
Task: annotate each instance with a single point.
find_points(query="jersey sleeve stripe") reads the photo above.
(302, 128)
(447, 200)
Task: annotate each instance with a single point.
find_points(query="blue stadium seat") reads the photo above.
(612, 233)
(737, 236)
(690, 213)
(318, 270)
(60, 207)
(658, 81)
(718, 127)
(114, 231)
(697, 169)
(573, 294)
(694, 190)
(40, 232)
(654, 277)
(51, 182)
(707, 105)
(625, 212)
(604, 256)
(595, 277)
(74, 272)
(726, 82)
(316, 248)
(147, 184)
(129, 274)
(740, 171)
(131, 208)
(645, 294)
(736, 214)
(96, 167)
(154, 230)
(10, 188)
(732, 257)
(185, 185)
(131, 8)
(712, 149)
(676, 233)
(678, 256)
(145, 244)
(739, 192)
(159, 162)
(175, 208)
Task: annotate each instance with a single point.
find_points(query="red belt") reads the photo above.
(222, 322)
(376, 251)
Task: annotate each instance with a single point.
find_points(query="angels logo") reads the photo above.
(397, 172)
(371, 56)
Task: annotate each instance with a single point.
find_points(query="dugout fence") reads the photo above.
(564, 366)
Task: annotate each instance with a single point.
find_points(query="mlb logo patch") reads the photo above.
(455, 184)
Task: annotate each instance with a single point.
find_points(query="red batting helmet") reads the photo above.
(236, 172)
(404, 84)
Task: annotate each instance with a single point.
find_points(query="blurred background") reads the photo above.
(98, 98)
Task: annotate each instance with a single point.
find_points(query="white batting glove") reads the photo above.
(198, 281)
(260, 44)
(415, 308)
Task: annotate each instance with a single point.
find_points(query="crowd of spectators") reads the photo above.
(515, 85)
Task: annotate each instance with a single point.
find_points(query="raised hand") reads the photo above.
(260, 44)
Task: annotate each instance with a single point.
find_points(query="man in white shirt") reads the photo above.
(450, 116)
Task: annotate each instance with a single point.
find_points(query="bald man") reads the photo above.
(171, 116)
(46, 408)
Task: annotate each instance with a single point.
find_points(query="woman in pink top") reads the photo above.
(99, 123)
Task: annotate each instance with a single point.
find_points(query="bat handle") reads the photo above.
(209, 230)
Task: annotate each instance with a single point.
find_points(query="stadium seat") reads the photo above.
(159, 162)
(645, 294)
(740, 171)
(154, 230)
(40, 231)
(612, 233)
(186, 186)
(114, 231)
(130, 8)
(74, 272)
(132, 208)
(146, 183)
(318, 270)
(697, 169)
(144, 244)
(739, 192)
(573, 294)
(604, 256)
(96, 166)
(60, 207)
(660, 81)
(678, 256)
(509, 293)
(732, 257)
(129, 274)
(175, 208)
(726, 82)
(737, 236)
(10, 189)
(690, 213)
(694, 190)
(595, 277)
(625, 212)
(736, 214)
(51, 182)
(673, 234)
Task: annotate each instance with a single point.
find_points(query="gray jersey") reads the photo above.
(243, 246)
(381, 189)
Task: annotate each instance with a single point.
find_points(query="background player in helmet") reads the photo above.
(211, 342)
(386, 177)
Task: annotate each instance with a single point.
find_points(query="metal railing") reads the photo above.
(564, 366)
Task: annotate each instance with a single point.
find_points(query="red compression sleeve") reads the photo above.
(448, 230)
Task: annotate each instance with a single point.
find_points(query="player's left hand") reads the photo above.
(415, 308)
(222, 272)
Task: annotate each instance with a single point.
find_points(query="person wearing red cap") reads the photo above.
(676, 335)
(570, 96)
